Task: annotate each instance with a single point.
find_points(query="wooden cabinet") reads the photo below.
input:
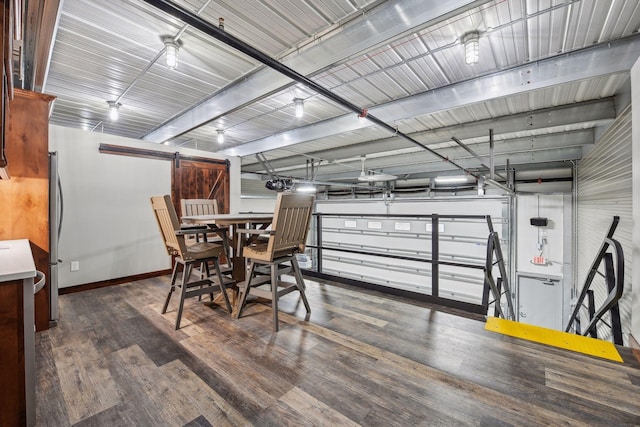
(17, 339)
(12, 402)
(24, 199)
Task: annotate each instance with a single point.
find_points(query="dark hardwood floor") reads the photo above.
(361, 359)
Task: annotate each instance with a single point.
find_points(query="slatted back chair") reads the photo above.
(191, 207)
(199, 207)
(286, 238)
(201, 253)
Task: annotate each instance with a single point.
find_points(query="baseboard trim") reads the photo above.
(112, 282)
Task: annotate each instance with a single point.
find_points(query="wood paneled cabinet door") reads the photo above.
(12, 380)
(24, 199)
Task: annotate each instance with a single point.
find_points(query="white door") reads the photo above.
(540, 301)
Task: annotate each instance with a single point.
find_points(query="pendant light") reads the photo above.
(171, 49)
(114, 108)
(471, 47)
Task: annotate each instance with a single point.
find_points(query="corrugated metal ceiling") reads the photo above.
(378, 55)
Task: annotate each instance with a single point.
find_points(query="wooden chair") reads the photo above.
(191, 207)
(198, 253)
(286, 238)
(199, 207)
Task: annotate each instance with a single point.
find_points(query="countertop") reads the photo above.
(16, 260)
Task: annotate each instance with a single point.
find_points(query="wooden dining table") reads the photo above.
(234, 222)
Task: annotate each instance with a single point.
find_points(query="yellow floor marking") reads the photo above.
(565, 340)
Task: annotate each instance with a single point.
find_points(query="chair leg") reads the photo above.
(204, 269)
(172, 287)
(243, 289)
(186, 273)
(206, 275)
(221, 285)
(227, 249)
(300, 281)
(274, 295)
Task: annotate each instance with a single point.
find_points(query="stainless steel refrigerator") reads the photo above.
(55, 227)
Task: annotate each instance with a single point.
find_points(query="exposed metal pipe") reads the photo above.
(492, 171)
(332, 183)
(511, 177)
(477, 156)
(496, 184)
(266, 165)
(139, 76)
(96, 126)
(315, 170)
(206, 27)
(18, 12)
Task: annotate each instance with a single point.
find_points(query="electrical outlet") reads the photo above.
(75, 265)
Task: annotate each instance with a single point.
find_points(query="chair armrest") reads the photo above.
(187, 226)
(203, 228)
(254, 231)
(216, 229)
(256, 234)
(192, 230)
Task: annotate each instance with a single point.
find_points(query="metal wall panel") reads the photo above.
(255, 188)
(604, 186)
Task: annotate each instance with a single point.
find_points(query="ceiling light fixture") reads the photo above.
(299, 105)
(452, 179)
(171, 49)
(306, 188)
(471, 41)
(114, 108)
(220, 136)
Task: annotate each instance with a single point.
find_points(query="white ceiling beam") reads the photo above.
(516, 160)
(535, 149)
(596, 61)
(382, 24)
(596, 111)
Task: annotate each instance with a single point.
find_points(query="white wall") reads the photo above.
(550, 238)
(108, 224)
(603, 191)
(551, 242)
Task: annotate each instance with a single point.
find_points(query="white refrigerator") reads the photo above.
(56, 211)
